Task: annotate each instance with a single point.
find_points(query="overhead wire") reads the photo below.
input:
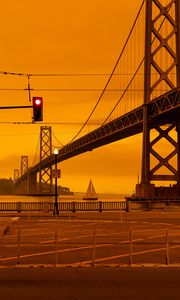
(35, 155)
(123, 92)
(86, 90)
(65, 74)
(48, 123)
(122, 51)
(160, 26)
(57, 138)
(74, 90)
(101, 90)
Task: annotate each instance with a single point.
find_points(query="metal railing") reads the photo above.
(98, 206)
(134, 247)
(62, 206)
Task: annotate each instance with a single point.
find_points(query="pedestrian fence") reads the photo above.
(136, 249)
(62, 206)
(98, 206)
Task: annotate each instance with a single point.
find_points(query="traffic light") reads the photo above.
(37, 108)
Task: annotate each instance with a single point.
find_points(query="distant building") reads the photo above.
(64, 191)
(6, 186)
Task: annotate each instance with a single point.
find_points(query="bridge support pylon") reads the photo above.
(161, 74)
(32, 183)
(16, 178)
(45, 175)
(24, 186)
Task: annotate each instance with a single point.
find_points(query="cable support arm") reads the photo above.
(14, 107)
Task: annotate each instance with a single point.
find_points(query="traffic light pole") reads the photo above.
(56, 211)
(12, 107)
(37, 108)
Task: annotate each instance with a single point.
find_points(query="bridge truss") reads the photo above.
(45, 174)
(162, 70)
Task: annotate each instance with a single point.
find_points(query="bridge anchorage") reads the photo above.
(162, 39)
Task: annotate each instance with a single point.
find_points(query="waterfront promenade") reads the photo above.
(91, 238)
(72, 270)
(48, 257)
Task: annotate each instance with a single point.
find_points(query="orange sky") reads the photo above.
(65, 37)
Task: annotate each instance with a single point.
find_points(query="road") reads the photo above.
(97, 256)
(47, 241)
(90, 283)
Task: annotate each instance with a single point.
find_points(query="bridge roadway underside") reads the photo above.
(162, 110)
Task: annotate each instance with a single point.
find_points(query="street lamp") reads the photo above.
(56, 211)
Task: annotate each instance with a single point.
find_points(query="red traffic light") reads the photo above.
(37, 108)
(38, 101)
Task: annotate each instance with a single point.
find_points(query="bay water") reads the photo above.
(63, 198)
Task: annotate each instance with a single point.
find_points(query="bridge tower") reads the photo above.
(45, 175)
(16, 178)
(24, 189)
(161, 72)
(16, 174)
(24, 164)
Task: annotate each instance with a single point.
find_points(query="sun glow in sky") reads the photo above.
(62, 37)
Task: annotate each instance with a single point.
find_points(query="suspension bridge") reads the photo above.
(141, 95)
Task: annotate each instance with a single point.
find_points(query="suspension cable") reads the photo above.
(57, 139)
(123, 92)
(127, 40)
(160, 26)
(35, 152)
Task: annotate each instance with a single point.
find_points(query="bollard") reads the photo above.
(100, 206)
(18, 246)
(74, 207)
(148, 205)
(167, 247)
(46, 207)
(128, 206)
(19, 207)
(130, 247)
(94, 248)
(56, 247)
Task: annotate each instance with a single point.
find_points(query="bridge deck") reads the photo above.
(162, 110)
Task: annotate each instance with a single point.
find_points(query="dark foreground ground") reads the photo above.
(90, 283)
(75, 246)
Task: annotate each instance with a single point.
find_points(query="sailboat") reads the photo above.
(91, 193)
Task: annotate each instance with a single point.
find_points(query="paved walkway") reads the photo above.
(90, 283)
(5, 222)
(93, 238)
(6, 218)
(111, 215)
(99, 215)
